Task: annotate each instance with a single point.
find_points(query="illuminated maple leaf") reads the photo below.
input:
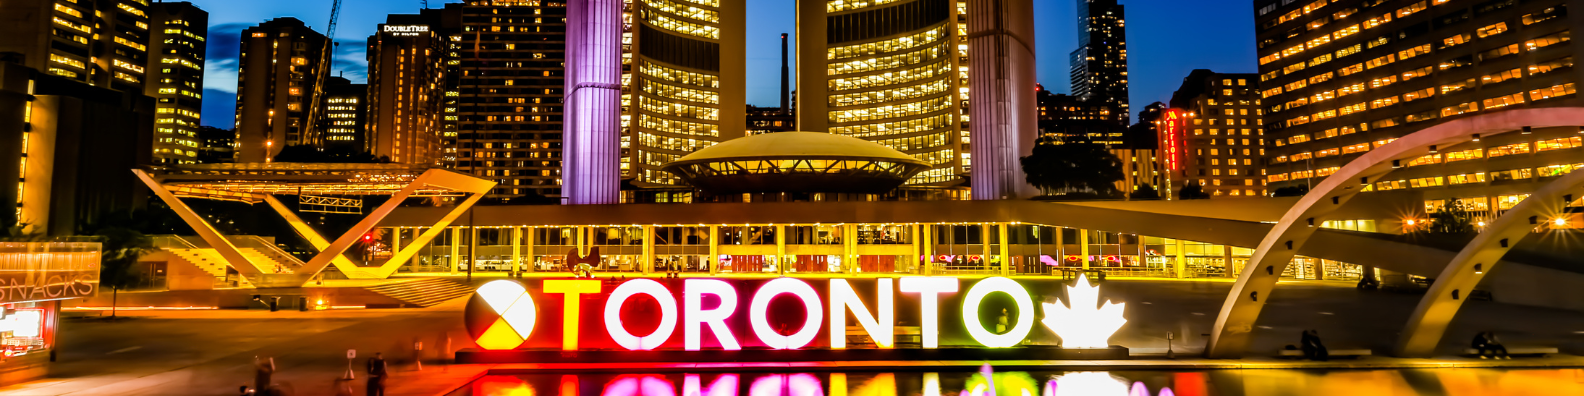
(1083, 322)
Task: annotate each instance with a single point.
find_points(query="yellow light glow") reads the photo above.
(976, 296)
(1560, 221)
(878, 325)
(571, 305)
(1081, 324)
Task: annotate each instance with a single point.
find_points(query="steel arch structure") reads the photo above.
(1235, 322)
(1446, 296)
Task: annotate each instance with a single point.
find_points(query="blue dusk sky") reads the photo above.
(1166, 39)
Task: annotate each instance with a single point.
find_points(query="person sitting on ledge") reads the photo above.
(1488, 347)
(1312, 348)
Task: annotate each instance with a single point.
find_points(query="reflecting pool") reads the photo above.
(1448, 381)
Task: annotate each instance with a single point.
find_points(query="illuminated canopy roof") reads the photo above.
(250, 182)
(796, 162)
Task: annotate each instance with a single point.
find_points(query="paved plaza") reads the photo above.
(210, 352)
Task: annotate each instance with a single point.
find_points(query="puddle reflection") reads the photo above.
(1452, 382)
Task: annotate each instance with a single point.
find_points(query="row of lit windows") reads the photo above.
(677, 127)
(921, 56)
(673, 92)
(678, 109)
(891, 110)
(940, 121)
(690, 28)
(940, 69)
(844, 5)
(928, 88)
(893, 45)
(1486, 31)
(685, 145)
(684, 10)
(1488, 104)
(667, 74)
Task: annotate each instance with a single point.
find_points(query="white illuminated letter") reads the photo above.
(880, 325)
(929, 290)
(693, 312)
(976, 296)
(759, 316)
(668, 314)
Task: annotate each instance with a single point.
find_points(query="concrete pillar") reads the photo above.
(516, 253)
(1182, 259)
(529, 263)
(781, 257)
(577, 239)
(1083, 247)
(1319, 269)
(928, 251)
(396, 239)
(456, 247)
(1006, 254)
(1226, 254)
(1001, 58)
(850, 243)
(592, 128)
(647, 266)
(1061, 247)
(473, 259)
(714, 250)
(918, 248)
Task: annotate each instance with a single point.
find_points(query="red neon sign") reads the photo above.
(1171, 127)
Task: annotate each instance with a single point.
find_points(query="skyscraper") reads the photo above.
(175, 79)
(1224, 143)
(1343, 78)
(889, 72)
(509, 88)
(407, 101)
(276, 87)
(1099, 65)
(344, 115)
(688, 86)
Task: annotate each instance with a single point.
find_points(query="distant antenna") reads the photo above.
(425, 4)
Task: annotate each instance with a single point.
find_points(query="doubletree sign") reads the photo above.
(781, 313)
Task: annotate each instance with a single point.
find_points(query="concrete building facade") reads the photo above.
(407, 90)
(279, 75)
(1223, 141)
(1343, 78)
(687, 87)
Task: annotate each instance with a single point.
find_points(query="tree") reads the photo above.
(1072, 166)
(1452, 218)
(1291, 191)
(122, 243)
(1192, 190)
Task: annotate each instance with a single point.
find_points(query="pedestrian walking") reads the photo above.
(377, 372)
(263, 370)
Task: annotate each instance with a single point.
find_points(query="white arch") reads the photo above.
(1235, 323)
(1436, 310)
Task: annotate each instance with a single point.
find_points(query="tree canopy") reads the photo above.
(1144, 192)
(1192, 190)
(1073, 166)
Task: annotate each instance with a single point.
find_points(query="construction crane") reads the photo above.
(327, 56)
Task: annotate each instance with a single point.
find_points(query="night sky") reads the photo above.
(1166, 39)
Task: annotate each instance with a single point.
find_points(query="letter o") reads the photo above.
(668, 314)
(759, 317)
(976, 296)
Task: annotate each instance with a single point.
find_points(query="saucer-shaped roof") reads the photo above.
(796, 162)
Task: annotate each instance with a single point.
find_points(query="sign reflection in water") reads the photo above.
(1449, 381)
(984, 383)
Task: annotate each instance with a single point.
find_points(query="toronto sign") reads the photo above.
(697, 314)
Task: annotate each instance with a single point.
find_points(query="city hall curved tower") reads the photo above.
(892, 72)
(686, 89)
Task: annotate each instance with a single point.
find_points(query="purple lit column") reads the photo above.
(1001, 96)
(591, 129)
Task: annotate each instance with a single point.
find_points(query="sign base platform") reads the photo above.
(552, 356)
